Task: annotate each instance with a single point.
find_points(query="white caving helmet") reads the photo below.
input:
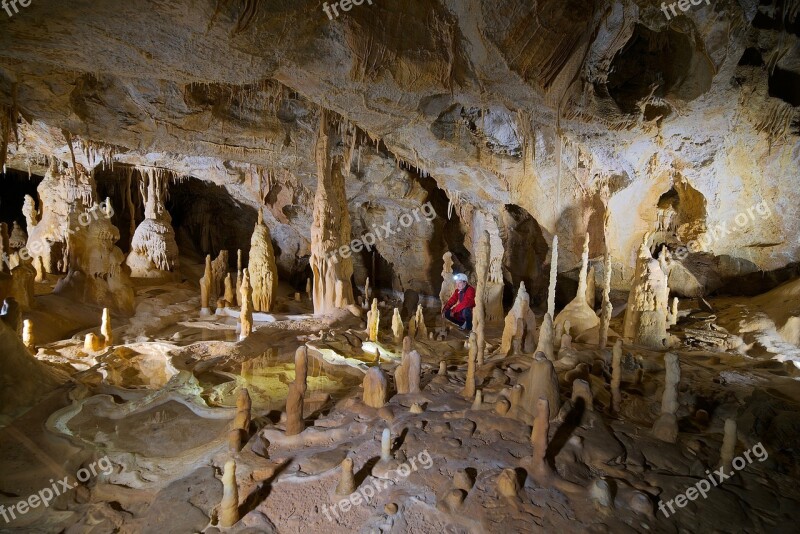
(460, 277)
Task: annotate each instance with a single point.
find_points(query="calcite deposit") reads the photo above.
(228, 231)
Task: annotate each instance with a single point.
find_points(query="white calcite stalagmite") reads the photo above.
(397, 326)
(105, 328)
(540, 381)
(330, 232)
(229, 507)
(551, 288)
(590, 287)
(373, 321)
(246, 313)
(375, 388)
(297, 390)
(666, 426)
(154, 252)
(28, 338)
(646, 318)
(262, 267)
(414, 369)
(580, 316)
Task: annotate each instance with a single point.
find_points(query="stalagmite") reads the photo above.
(238, 289)
(672, 315)
(551, 290)
(366, 290)
(580, 316)
(28, 338)
(469, 387)
(422, 330)
(375, 388)
(525, 331)
(373, 321)
(590, 287)
(347, 482)
(448, 284)
(154, 251)
(606, 307)
(581, 390)
(414, 369)
(229, 507)
(397, 326)
(219, 270)
(507, 483)
(616, 376)
(229, 298)
(478, 402)
(330, 232)
(297, 390)
(246, 313)
(240, 429)
(600, 494)
(539, 439)
(646, 314)
(728, 450)
(540, 381)
(308, 287)
(92, 343)
(479, 311)
(666, 426)
(262, 267)
(105, 328)
(206, 283)
(545, 344)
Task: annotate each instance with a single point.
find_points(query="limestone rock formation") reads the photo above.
(154, 252)
(246, 313)
(94, 264)
(397, 326)
(540, 382)
(448, 284)
(330, 233)
(666, 426)
(375, 388)
(297, 390)
(646, 317)
(373, 321)
(262, 267)
(229, 507)
(206, 288)
(578, 312)
(520, 311)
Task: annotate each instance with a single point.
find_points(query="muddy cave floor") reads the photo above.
(160, 402)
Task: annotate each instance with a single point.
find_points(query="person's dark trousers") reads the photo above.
(461, 318)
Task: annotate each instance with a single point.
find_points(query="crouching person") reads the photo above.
(458, 309)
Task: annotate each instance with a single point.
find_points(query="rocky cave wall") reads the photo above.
(512, 103)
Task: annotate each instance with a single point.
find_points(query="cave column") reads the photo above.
(332, 267)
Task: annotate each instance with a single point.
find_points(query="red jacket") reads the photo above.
(467, 301)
